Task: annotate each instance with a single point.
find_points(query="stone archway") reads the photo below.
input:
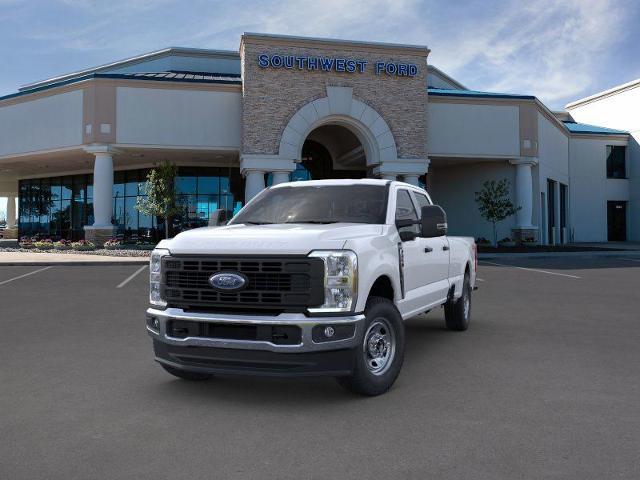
(340, 108)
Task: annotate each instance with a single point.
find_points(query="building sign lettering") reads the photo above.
(333, 64)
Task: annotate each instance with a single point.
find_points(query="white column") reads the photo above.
(280, 177)
(412, 179)
(524, 193)
(254, 183)
(11, 212)
(103, 189)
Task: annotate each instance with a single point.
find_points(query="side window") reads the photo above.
(422, 200)
(406, 211)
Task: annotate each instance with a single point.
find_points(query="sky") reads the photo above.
(557, 50)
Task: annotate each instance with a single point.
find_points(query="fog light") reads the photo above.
(153, 323)
(329, 332)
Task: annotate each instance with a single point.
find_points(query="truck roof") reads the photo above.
(338, 182)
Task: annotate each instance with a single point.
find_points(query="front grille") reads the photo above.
(288, 284)
(277, 334)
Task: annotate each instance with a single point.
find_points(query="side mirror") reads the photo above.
(218, 218)
(434, 221)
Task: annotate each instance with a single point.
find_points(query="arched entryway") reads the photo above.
(326, 129)
(333, 151)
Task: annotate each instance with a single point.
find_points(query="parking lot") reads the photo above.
(545, 384)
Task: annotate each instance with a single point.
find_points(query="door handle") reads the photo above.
(428, 249)
(445, 247)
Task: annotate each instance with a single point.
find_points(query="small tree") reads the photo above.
(494, 203)
(160, 191)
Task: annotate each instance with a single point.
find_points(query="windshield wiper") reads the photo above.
(258, 223)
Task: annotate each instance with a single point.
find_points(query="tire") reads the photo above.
(457, 313)
(378, 359)
(186, 374)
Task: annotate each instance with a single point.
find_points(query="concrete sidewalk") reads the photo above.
(33, 258)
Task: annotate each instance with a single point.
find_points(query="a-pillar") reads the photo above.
(102, 229)
(524, 229)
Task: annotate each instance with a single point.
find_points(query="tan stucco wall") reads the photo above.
(271, 96)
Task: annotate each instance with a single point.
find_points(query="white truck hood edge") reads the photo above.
(286, 239)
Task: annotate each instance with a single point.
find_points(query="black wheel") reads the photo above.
(186, 374)
(379, 357)
(457, 313)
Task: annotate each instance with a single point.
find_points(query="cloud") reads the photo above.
(557, 50)
(550, 49)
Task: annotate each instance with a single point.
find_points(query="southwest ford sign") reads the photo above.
(334, 64)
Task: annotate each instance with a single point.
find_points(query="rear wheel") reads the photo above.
(186, 374)
(457, 313)
(379, 357)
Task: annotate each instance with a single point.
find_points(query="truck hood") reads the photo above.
(284, 239)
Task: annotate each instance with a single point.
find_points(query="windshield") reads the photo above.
(317, 204)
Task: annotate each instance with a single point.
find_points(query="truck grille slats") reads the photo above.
(289, 284)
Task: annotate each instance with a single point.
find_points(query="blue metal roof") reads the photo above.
(188, 77)
(444, 92)
(575, 127)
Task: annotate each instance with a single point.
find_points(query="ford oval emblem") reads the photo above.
(227, 281)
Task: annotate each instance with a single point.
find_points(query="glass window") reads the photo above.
(405, 210)
(186, 184)
(131, 184)
(118, 184)
(317, 204)
(67, 188)
(209, 185)
(422, 200)
(616, 161)
(130, 215)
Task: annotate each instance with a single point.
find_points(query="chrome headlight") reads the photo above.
(155, 277)
(340, 280)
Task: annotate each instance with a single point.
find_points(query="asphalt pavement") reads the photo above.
(544, 384)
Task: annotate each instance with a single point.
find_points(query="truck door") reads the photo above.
(406, 210)
(434, 262)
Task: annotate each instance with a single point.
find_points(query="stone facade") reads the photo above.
(272, 96)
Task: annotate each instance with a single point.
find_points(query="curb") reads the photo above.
(89, 263)
(608, 253)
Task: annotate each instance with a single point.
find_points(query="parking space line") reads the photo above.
(25, 275)
(132, 276)
(479, 279)
(530, 269)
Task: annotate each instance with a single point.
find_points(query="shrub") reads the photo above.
(62, 245)
(26, 242)
(83, 245)
(46, 244)
(482, 241)
(113, 244)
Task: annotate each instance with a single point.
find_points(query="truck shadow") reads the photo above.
(295, 392)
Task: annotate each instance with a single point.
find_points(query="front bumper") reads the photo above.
(309, 355)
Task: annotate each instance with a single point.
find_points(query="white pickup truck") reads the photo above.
(309, 278)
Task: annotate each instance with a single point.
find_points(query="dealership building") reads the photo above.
(75, 150)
